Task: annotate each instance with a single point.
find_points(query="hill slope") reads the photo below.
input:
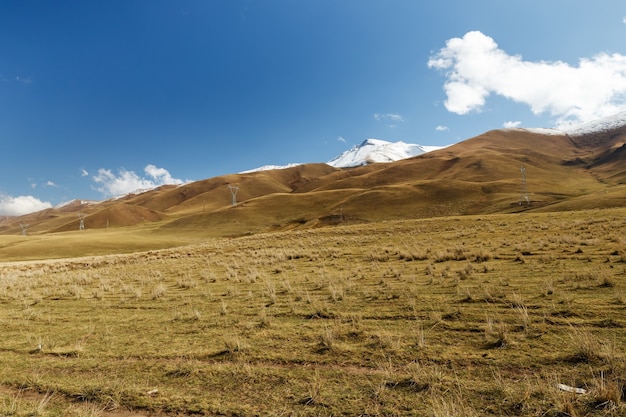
(564, 171)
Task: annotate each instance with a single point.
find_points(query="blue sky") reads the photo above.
(99, 97)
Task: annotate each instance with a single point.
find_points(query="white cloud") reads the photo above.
(441, 128)
(476, 67)
(48, 183)
(125, 182)
(341, 139)
(624, 20)
(161, 175)
(394, 117)
(511, 124)
(84, 172)
(17, 206)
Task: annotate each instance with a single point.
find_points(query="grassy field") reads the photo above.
(92, 242)
(457, 316)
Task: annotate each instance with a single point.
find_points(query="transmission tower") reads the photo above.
(81, 217)
(24, 228)
(233, 191)
(524, 189)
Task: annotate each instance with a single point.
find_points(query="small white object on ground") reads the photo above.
(567, 388)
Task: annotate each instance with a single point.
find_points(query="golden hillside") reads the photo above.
(477, 176)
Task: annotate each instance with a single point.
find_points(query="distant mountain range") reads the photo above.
(578, 168)
(380, 151)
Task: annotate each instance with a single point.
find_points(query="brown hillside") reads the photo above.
(479, 175)
(213, 193)
(609, 160)
(118, 215)
(492, 160)
(46, 220)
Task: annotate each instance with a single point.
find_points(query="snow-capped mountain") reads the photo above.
(270, 167)
(370, 151)
(376, 150)
(600, 125)
(76, 203)
(604, 124)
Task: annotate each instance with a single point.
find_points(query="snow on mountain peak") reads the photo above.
(269, 168)
(369, 151)
(374, 142)
(76, 203)
(604, 124)
(376, 151)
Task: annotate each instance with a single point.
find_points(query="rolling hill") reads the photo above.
(580, 169)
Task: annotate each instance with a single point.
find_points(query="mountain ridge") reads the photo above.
(480, 175)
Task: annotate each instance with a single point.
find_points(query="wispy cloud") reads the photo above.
(441, 128)
(84, 172)
(23, 80)
(18, 206)
(393, 117)
(125, 182)
(476, 67)
(34, 184)
(341, 139)
(511, 124)
(624, 20)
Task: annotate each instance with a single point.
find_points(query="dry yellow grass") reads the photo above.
(454, 316)
(89, 242)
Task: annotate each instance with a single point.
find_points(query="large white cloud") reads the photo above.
(476, 67)
(125, 182)
(24, 204)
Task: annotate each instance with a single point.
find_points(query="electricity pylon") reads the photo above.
(233, 191)
(524, 189)
(81, 217)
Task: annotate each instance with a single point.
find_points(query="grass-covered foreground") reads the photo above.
(497, 315)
